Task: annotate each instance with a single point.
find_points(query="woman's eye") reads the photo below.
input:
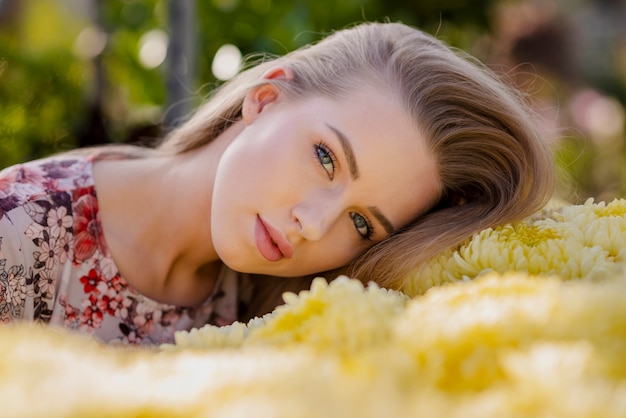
(325, 157)
(362, 225)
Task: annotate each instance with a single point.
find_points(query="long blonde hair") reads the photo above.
(493, 166)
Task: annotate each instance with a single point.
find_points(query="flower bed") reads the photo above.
(525, 320)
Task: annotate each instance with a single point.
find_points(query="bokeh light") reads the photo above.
(153, 48)
(227, 62)
(90, 42)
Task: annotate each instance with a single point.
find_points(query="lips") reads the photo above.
(270, 242)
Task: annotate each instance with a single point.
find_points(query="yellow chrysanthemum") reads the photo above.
(507, 344)
(357, 321)
(458, 334)
(584, 241)
(501, 345)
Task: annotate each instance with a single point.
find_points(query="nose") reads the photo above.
(315, 216)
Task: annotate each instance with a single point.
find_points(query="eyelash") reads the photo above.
(370, 228)
(321, 151)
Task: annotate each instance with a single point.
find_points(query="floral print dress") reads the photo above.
(55, 267)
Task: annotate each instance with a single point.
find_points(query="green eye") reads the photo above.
(325, 158)
(362, 225)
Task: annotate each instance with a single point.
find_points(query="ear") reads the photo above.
(265, 94)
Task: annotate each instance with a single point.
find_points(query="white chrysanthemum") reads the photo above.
(213, 337)
(209, 337)
(572, 242)
(601, 224)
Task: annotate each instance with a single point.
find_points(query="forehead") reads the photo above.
(397, 169)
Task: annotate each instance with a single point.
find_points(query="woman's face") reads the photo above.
(308, 185)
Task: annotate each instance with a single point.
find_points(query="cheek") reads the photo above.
(254, 159)
(241, 170)
(337, 250)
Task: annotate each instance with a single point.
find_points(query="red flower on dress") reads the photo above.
(116, 306)
(70, 313)
(87, 234)
(113, 286)
(91, 281)
(104, 304)
(91, 317)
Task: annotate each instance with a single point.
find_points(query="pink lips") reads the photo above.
(271, 243)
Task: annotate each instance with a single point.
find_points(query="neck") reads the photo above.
(156, 217)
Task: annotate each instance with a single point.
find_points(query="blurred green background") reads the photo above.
(83, 72)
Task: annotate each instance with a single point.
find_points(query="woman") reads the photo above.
(368, 152)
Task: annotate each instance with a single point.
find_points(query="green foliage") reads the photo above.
(279, 26)
(42, 89)
(127, 22)
(52, 98)
(41, 102)
(47, 91)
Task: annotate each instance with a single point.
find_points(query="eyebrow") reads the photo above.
(384, 221)
(347, 150)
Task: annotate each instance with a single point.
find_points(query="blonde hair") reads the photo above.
(493, 166)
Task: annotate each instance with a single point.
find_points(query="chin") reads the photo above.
(269, 269)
